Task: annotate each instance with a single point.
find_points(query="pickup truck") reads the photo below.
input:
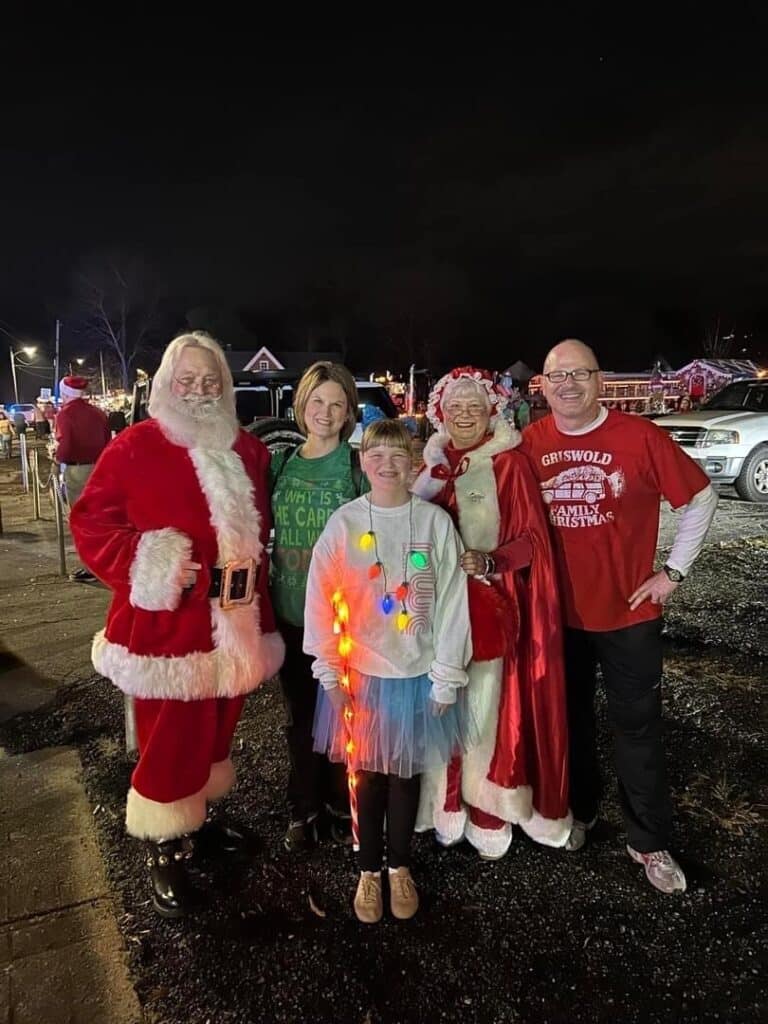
(728, 437)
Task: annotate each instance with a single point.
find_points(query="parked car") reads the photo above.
(728, 437)
(264, 402)
(27, 410)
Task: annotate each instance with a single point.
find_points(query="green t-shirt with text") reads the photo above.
(304, 494)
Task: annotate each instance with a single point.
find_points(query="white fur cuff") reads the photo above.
(548, 831)
(491, 843)
(156, 570)
(150, 819)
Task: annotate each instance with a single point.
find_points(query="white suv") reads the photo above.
(728, 437)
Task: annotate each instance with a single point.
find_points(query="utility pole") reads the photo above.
(56, 362)
(103, 382)
(15, 382)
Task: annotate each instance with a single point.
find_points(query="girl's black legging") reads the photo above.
(386, 796)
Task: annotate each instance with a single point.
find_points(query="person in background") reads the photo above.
(49, 411)
(19, 423)
(81, 434)
(518, 772)
(6, 435)
(685, 404)
(386, 580)
(307, 484)
(175, 521)
(40, 422)
(603, 474)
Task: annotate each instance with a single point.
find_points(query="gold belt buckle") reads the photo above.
(227, 570)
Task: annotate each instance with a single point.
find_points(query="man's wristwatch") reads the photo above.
(674, 575)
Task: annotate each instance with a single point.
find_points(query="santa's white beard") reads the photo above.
(197, 421)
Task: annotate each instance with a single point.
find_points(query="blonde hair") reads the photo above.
(161, 383)
(392, 433)
(320, 373)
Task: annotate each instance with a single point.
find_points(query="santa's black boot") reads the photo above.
(218, 838)
(172, 892)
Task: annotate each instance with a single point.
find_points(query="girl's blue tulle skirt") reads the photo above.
(393, 729)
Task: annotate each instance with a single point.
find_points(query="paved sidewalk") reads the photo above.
(61, 954)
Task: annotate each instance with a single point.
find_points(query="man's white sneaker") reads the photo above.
(578, 835)
(663, 871)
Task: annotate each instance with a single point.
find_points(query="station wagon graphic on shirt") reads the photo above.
(575, 494)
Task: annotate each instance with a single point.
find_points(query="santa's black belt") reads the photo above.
(234, 583)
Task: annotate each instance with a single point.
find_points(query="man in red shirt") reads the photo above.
(82, 433)
(603, 474)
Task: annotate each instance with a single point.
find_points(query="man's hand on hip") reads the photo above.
(657, 589)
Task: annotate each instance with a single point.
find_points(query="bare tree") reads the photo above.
(117, 309)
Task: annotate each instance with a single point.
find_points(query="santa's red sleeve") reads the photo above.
(109, 544)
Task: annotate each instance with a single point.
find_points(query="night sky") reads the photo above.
(433, 197)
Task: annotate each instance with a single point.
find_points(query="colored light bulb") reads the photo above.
(419, 559)
(336, 627)
(343, 611)
(402, 591)
(345, 680)
(345, 646)
(350, 747)
(403, 619)
(366, 541)
(387, 603)
(374, 571)
(337, 596)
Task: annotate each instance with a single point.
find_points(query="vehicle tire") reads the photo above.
(752, 482)
(276, 434)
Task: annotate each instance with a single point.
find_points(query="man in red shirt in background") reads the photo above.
(82, 433)
(603, 474)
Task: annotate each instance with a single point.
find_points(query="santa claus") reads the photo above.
(175, 520)
(518, 773)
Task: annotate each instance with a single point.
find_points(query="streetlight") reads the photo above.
(28, 350)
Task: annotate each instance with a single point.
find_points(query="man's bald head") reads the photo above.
(574, 403)
(571, 349)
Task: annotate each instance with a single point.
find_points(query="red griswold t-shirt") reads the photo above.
(603, 491)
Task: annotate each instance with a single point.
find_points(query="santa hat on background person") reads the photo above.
(73, 387)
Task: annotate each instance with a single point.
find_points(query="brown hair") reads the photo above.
(317, 374)
(392, 433)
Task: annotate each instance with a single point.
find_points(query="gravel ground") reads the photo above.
(540, 936)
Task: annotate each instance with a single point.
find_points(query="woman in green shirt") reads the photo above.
(309, 483)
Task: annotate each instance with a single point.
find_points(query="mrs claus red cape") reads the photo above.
(519, 770)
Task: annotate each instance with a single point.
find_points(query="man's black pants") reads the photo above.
(382, 796)
(630, 660)
(313, 781)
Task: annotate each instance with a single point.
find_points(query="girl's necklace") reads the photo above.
(411, 558)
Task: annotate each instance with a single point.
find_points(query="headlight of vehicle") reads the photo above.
(713, 437)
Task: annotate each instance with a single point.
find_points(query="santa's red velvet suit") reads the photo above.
(518, 774)
(149, 506)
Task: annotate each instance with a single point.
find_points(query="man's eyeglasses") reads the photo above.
(560, 376)
(207, 383)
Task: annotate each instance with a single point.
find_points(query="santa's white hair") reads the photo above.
(194, 422)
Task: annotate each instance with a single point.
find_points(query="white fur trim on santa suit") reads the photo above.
(492, 843)
(156, 570)
(243, 657)
(221, 780)
(428, 487)
(150, 819)
(548, 831)
(191, 677)
(448, 825)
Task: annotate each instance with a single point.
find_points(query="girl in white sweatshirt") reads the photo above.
(387, 622)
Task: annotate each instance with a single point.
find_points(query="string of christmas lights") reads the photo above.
(416, 559)
(340, 629)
